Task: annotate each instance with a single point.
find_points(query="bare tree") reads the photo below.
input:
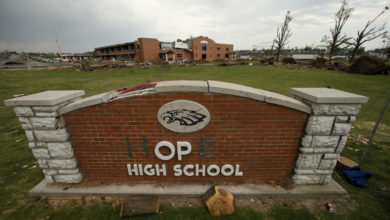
(386, 45)
(368, 33)
(337, 39)
(282, 35)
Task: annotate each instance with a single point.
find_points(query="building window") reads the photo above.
(179, 55)
(204, 47)
(227, 49)
(196, 47)
(218, 55)
(218, 48)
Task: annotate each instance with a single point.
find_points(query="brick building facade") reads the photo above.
(152, 50)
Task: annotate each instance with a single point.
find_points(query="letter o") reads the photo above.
(164, 144)
(227, 167)
(210, 168)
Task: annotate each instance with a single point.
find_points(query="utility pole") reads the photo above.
(58, 44)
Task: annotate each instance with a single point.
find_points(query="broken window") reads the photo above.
(132, 47)
(204, 46)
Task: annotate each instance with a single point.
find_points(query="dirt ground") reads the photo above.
(263, 205)
(266, 204)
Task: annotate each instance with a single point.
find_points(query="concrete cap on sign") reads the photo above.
(235, 89)
(89, 101)
(257, 94)
(328, 95)
(182, 86)
(45, 98)
(278, 99)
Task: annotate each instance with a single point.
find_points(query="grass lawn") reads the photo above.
(18, 175)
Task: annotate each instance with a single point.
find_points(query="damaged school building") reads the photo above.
(152, 50)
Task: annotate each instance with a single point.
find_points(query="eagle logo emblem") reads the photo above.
(183, 116)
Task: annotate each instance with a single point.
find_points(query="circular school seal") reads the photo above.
(183, 116)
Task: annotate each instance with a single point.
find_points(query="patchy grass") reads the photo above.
(18, 172)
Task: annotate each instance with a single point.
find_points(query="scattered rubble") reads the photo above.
(267, 61)
(319, 62)
(85, 66)
(338, 66)
(23, 60)
(289, 60)
(358, 138)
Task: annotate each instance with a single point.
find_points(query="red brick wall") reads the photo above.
(224, 49)
(149, 50)
(211, 49)
(263, 138)
(184, 53)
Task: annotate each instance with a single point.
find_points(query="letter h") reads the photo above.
(145, 147)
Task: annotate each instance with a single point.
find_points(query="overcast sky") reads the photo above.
(82, 25)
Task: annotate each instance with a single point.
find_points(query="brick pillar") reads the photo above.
(326, 132)
(46, 132)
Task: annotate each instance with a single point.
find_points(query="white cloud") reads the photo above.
(84, 25)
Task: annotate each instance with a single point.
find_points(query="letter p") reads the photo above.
(183, 148)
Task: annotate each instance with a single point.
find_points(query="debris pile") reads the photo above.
(13, 59)
(289, 60)
(85, 66)
(267, 61)
(224, 64)
(338, 66)
(369, 66)
(319, 62)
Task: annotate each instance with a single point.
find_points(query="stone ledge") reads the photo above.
(275, 98)
(257, 94)
(46, 98)
(325, 95)
(89, 101)
(235, 89)
(329, 190)
(182, 86)
(196, 86)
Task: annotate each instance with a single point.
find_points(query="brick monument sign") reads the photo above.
(188, 131)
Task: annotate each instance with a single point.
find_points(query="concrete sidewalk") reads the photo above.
(330, 190)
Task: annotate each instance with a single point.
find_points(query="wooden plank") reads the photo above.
(344, 163)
